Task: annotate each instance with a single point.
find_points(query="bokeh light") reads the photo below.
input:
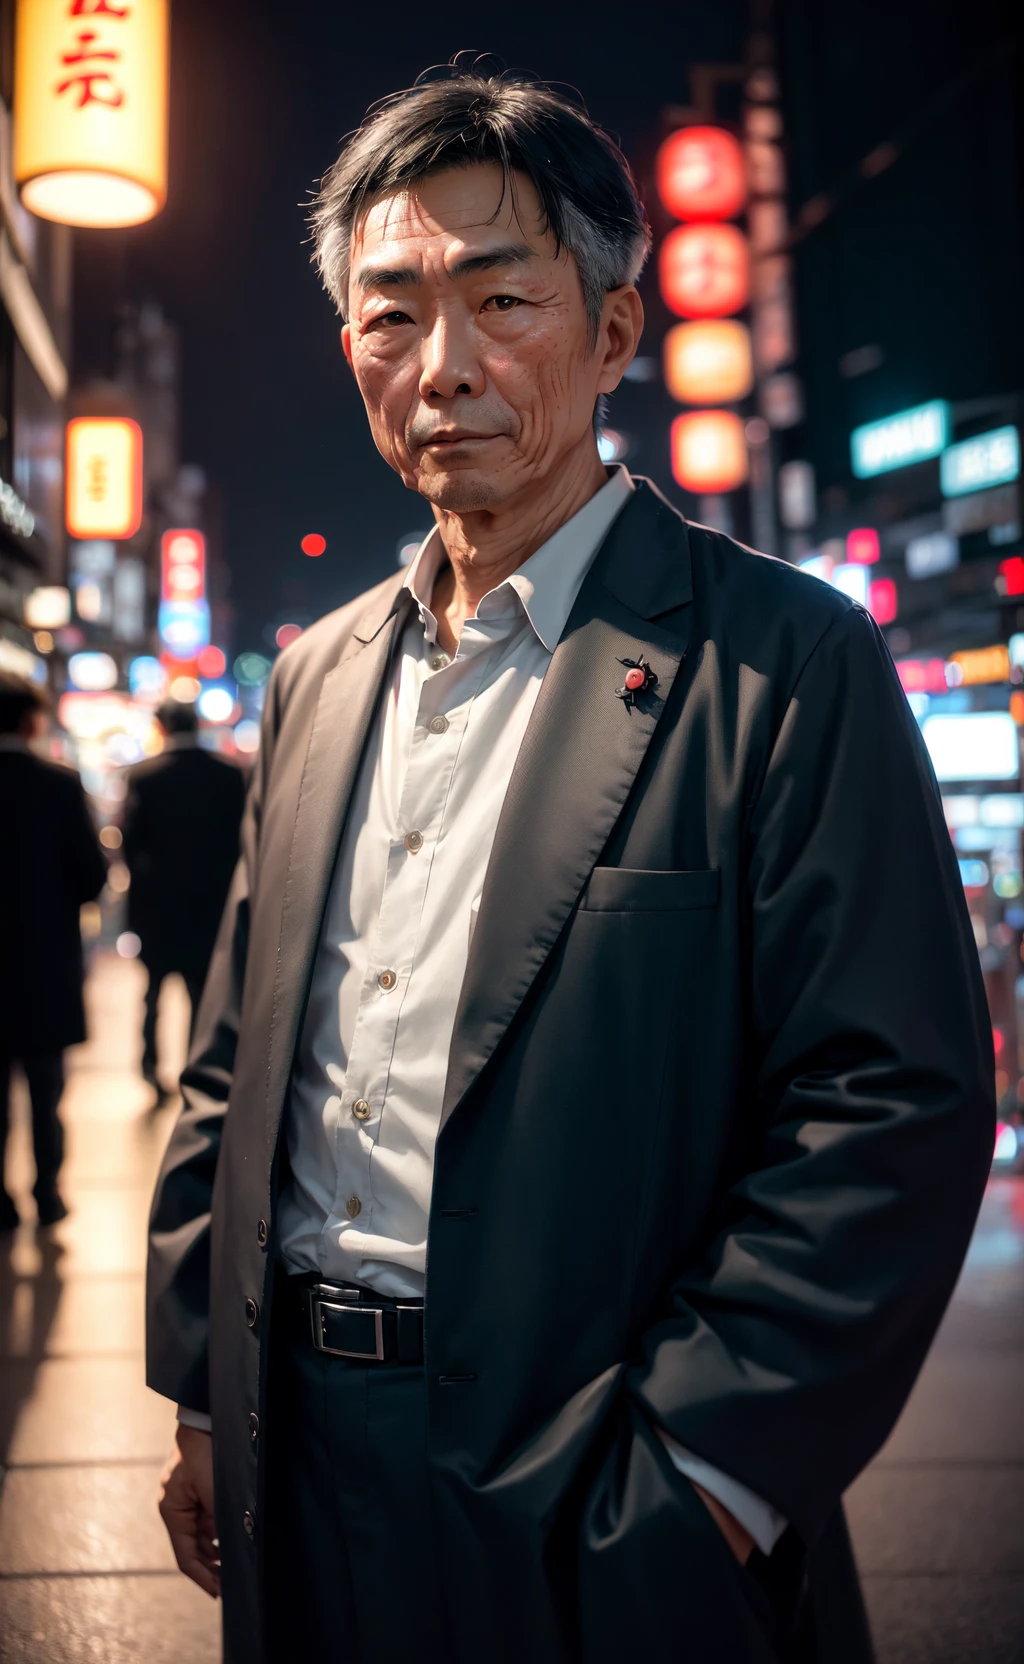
(251, 669)
(247, 737)
(211, 663)
(287, 634)
(185, 689)
(215, 705)
(313, 544)
(128, 945)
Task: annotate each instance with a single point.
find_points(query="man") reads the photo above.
(181, 823)
(52, 863)
(592, 1094)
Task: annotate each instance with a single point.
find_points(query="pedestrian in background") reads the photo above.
(182, 817)
(52, 863)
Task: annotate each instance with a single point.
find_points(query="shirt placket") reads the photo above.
(443, 710)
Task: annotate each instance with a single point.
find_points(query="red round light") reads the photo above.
(704, 271)
(210, 662)
(701, 174)
(883, 600)
(313, 544)
(287, 634)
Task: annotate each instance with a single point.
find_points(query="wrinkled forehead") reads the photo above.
(472, 208)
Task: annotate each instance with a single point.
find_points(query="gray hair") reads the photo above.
(587, 192)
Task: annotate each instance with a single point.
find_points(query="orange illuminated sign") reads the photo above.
(704, 271)
(981, 666)
(90, 109)
(701, 174)
(709, 451)
(103, 477)
(709, 362)
(182, 565)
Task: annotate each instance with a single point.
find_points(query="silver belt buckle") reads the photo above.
(316, 1303)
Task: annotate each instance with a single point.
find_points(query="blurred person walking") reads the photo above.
(52, 864)
(181, 824)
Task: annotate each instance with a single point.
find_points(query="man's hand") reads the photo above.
(736, 1535)
(186, 1507)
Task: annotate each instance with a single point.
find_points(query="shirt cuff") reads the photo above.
(764, 1522)
(201, 1421)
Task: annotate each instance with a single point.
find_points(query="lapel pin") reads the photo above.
(639, 678)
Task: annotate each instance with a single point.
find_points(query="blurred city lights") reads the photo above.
(185, 689)
(313, 544)
(43, 641)
(118, 878)
(1012, 573)
(103, 477)
(215, 704)
(147, 679)
(84, 156)
(709, 362)
(92, 672)
(128, 945)
(251, 669)
(975, 464)
(704, 271)
(852, 580)
(701, 174)
(709, 451)
(247, 737)
(47, 608)
(211, 663)
(287, 634)
(973, 745)
(883, 600)
(862, 546)
(110, 837)
(1006, 1142)
(612, 446)
(897, 441)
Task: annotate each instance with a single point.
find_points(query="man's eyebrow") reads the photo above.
(404, 277)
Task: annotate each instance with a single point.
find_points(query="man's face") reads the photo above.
(468, 338)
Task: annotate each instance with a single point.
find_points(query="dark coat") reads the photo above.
(51, 863)
(181, 825)
(718, 1117)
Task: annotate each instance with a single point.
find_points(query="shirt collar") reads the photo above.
(548, 583)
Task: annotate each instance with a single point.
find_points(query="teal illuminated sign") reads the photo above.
(897, 441)
(988, 459)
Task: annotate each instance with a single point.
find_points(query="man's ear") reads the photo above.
(621, 328)
(346, 343)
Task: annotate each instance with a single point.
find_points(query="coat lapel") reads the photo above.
(578, 760)
(348, 700)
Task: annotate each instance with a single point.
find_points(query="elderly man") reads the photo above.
(592, 1092)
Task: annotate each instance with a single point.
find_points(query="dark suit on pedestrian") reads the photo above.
(718, 1117)
(181, 824)
(51, 863)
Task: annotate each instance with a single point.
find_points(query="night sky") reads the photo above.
(262, 93)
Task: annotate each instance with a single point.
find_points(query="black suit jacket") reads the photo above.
(51, 863)
(718, 1117)
(182, 818)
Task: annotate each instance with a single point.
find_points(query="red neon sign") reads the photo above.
(701, 174)
(182, 565)
(704, 271)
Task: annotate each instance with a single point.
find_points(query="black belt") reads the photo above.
(351, 1322)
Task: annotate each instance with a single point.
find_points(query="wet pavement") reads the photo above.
(85, 1570)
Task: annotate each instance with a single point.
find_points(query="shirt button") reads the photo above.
(387, 980)
(252, 1312)
(413, 842)
(438, 725)
(360, 1109)
(353, 1207)
(440, 661)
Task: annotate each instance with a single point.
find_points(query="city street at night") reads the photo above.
(83, 1554)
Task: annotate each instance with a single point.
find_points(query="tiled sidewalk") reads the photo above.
(85, 1569)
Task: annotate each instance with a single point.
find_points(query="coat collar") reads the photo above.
(576, 766)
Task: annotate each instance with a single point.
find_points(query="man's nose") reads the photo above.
(450, 365)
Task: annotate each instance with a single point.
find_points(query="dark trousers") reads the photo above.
(45, 1076)
(349, 1543)
(157, 976)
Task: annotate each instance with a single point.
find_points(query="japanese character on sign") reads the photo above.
(88, 60)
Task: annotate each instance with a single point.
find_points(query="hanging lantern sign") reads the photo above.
(90, 109)
(701, 174)
(709, 362)
(103, 477)
(709, 452)
(704, 271)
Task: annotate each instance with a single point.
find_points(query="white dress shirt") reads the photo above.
(371, 1064)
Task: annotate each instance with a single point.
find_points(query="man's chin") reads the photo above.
(461, 490)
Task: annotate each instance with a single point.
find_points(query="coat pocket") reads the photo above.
(629, 890)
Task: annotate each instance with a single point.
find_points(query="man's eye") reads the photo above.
(502, 303)
(390, 319)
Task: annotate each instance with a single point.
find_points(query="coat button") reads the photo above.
(414, 842)
(438, 725)
(262, 1233)
(248, 1523)
(254, 1427)
(387, 980)
(252, 1312)
(361, 1109)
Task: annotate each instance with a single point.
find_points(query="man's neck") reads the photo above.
(485, 546)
